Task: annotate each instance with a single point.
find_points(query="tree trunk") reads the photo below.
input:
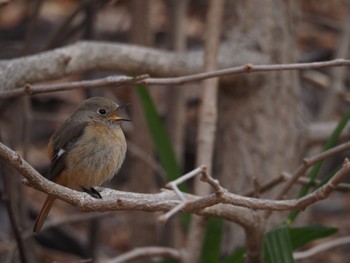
(259, 126)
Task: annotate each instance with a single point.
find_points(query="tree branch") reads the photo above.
(223, 196)
(129, 59)
(9, 90)
(211, 205)
(148, 252)
(308, 162)
(89, 55)
(115, 81)
(322, 247)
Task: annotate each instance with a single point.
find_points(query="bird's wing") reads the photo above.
(60, 142)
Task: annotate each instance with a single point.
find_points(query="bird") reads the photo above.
(87, 150)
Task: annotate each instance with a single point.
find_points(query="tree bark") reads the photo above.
(259, 125)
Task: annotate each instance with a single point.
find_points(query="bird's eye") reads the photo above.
(101, 111)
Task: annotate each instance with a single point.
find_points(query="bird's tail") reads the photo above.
(43, 213)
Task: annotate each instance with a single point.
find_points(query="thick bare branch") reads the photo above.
(114, 200)
(128, 59)
(162, 201)
(225, 205)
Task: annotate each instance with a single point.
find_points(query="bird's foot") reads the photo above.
(93, 192)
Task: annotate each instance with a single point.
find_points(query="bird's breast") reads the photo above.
(96, 157)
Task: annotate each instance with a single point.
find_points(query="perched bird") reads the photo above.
(86, 151)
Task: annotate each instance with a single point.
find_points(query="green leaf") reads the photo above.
(236, 257)
(212, 242)
(314, 172)
(161, 141)
(300, 236)
(278, 246)
(159, 135)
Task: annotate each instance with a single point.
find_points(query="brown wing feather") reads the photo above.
(64, 138)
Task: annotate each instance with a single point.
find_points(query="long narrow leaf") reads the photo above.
(212, 242)
(159, 135)
(161, 141)
(278, 246)
(300, 236)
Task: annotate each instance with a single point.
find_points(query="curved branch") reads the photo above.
(21, 71)
(221, 204)
(223, 196)
(114, 200)
(128, 59)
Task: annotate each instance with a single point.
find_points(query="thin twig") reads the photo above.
(163, 218)
(189, 175)
(115, 81)
(163, 252)
(266, 186)
(319, 132)
(214, 183)
(275, 205)
(247, 68)
(174, 186)
(342, 187)
(322, 247)
(308, 162)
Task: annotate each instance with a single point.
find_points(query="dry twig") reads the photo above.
(115, 81)
(118, 81)
(173, 185)
(308, 162)
(322, 247)
(148, 252)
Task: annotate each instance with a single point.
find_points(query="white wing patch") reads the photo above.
(60, 153)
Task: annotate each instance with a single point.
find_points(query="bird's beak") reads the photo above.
(115, 117)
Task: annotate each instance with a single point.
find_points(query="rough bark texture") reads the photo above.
(259, 127)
